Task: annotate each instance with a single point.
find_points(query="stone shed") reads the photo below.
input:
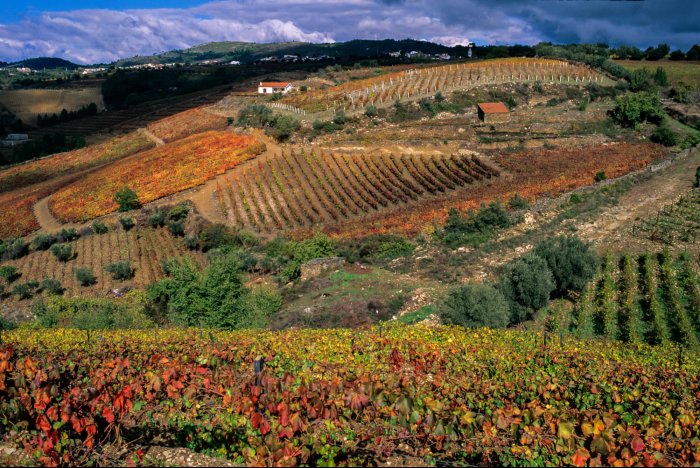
(493, 112)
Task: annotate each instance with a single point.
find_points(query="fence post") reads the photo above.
(258, 365)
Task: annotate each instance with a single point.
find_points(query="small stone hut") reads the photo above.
(493, 112)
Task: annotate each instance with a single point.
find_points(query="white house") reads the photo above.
(14, 139)
(269, 87)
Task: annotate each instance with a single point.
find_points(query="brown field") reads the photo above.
(28, 103)
(143, 248)
(678, 72)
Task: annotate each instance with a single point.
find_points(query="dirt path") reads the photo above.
(148, 134)
(46, 220)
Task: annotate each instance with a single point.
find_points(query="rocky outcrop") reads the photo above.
(318, 266)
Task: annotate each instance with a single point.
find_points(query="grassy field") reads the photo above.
(678, 72)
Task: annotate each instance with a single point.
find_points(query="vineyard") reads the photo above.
(533, 173)
(385, 89)
(154, 173)
(186, 123)
(143, 248)
(348, 397)
(72, 161)
(302, 188)
(678, 222)
(650, 298)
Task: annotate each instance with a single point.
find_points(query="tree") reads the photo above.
(127, 199)
(632, 109)
(658, 52)
(697, 178)
(476, 305)
(572, 262)
(693, 53)
(640, 80)
(283, 126)
(526, 283)
(677, 55)
(664, 135)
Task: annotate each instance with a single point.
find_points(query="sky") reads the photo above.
(96, 31)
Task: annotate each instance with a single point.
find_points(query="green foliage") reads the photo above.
(191, 241)
(283, 126)
(517, 202)
(4, 323)
(658, 52)
(526, 283)
(9, 273)
(418, 315)
(291, 254)
(62, 252)
(279, 126)
(632, 109)
(339, 118)
(127, 199)
(696, 184)
(665, 136)
(51, 286)
(371, 111)
(120, 270)
(156, 219)
(260, 304)
(93, 313)
(24, 290)
(641, 80)
(41, 242)
(600, 176)
(214, 297)
(85, 276)
(178, 212)
(127, 223)
(476, 227)
(660, 77)
(376, 246)
(98, 227)
(255, 115)
(476, 305)
(67, 235)
(12, 249)
(176, 228)
(571, 262)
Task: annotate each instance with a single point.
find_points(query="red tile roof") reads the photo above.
(493, 107)
(275, 84)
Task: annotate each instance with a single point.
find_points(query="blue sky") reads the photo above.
(100, 31)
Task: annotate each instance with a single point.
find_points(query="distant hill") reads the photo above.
(248, 52)
(43, 62)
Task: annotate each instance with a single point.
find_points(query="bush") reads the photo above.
(51, 286)
(9, 273)
(216, 235)
(600, 176)
(526, 283)
(371, 111)
(120, 270)
(191, 241)
(476, 227)
(127, 223)
(66, 235)
(255, 115)
(4, 323)
(62, 252)
(475, 305)
(13, 249)
(93, 313)
(339, 118)
(41, 242)
(665, 136)
(632, 109)
(261, 303)
(178, 212)
(640, 80)
(691, 140)
(660, 77)
(572, 262)
(23, 290)
(85, 276)
(98, 227)
(517, 202)
(375, 246)
(156, 219)
(127, 199)
(176, 228)
(283, 126)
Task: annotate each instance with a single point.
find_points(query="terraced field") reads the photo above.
(299, 189)
(186, 123)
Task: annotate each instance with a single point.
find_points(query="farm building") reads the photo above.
(493, 112)
(269, 87)
(14, 139)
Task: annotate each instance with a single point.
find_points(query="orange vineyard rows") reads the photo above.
(155, 173)
(350, 397)
(186, 123)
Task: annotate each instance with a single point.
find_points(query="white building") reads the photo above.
(14, 139)
(269, 87)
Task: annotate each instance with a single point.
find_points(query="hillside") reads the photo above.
(40, 63)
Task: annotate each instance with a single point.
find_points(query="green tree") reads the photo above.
(526, 283)
(572, 262)
(476, 305)
(632, 109)
(660, 77)
(127, 199)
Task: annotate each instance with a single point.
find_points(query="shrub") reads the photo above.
(85, 276)
(640, 80)
(178, 212)
(572, 262)
(176, 228)
(283, 126)
(537, 87)
(476, 227)
(255, 115)
(63, 252)
(339, 118)
(94, 313)
(691, 140)
(41, 242)
(261, 303)
(127, 223)
(375, 246)
(4, 323)
(98, 227)
(13, 249)
(517, 202)
(23, 291)
(600, 176)
(526, 283)
(632, 109)
(120, 270)
(665, 136)
(127, 199)
(371, 111)
(66, 235)
(191, 241)
(52, 286)
(511, 103)
(8, 273)
(475, 305)
(156, 219)
(660, 77)
(216, 235)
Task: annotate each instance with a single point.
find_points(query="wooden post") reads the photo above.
(258, 365)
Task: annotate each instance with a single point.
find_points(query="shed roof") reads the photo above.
(493, 108)
(275, 84)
